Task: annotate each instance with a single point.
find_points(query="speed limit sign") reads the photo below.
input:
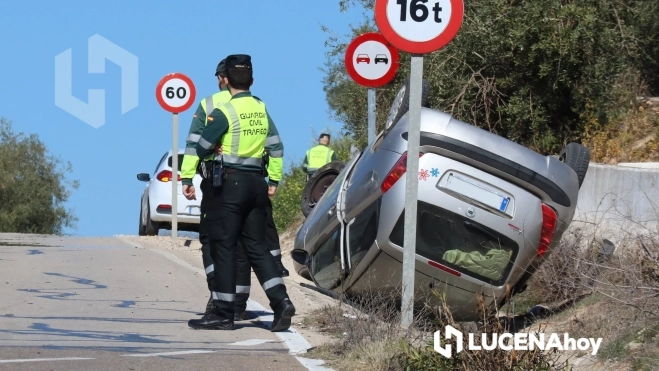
(175, 93)
(419, 26)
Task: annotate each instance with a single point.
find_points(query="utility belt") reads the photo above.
(216, 172)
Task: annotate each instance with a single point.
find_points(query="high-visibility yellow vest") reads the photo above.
(215, 101)
(190, 160)
(244, 142)
(318, 157)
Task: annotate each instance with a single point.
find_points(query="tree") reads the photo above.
(535, 71)
(33, 188)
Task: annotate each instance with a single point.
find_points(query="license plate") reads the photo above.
(477, 192)
(194, 210)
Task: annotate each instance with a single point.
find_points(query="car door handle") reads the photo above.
(331, 210)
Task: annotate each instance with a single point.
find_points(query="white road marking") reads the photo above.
(313, 364)
(251, 342)
(295, 342)
(41, 359)
(169, 353)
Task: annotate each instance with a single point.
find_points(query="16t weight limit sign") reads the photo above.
(419, 26)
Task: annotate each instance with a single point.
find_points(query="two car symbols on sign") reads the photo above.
(364, 58)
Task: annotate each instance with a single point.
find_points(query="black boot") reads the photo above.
(211, 321)
(284, 311)
(282, 269)
(240, 315)
(209, 307)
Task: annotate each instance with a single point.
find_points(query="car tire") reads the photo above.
(318, 184)
(577, 157)
(151, 228)
(141, 231)
(401, 102)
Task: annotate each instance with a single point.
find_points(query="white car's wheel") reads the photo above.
(142, 228)
(150, 227)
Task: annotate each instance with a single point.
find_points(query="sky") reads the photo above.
(284, 39)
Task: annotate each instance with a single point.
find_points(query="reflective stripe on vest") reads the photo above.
(215, 101)
(244, 142)
(318, 157)
(209, 104)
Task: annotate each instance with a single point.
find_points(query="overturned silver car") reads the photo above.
(489, 213)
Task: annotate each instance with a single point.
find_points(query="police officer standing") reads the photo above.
(318, 156)
(237, 206)
(191, 163)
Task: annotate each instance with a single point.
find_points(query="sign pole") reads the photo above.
(371, 115)
(411, 190)
(417, 27)
(174, 176)
(175, 93)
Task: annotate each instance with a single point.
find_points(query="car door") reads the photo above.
(326, 233)
(361, 199)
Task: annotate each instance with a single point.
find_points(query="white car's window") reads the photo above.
(159, 163)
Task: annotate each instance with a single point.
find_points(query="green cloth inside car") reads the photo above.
(490, 265)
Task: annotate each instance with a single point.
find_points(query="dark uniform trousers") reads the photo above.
(243, 267)
(237, 213)
(203, 233)
(243, 277)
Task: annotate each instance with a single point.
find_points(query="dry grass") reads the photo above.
(587, 293)
(615, 297)
(632, 138)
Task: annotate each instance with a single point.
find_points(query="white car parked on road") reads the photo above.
(156, 202)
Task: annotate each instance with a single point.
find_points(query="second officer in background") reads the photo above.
(237, 209)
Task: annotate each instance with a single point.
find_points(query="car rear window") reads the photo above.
(180, 161)
(460, 243)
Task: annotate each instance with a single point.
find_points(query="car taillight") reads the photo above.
(168, 207)
(396, 173)
(548, 228)
(166, 176)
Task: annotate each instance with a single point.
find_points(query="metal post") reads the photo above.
(174, 175)
(371, 115)
(411, 190)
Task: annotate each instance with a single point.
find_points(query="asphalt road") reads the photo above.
(100, 303)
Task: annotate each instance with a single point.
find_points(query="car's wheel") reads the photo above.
(318, 184)
(576, 157)
(401, 103)
(151, 228)
(141, 231)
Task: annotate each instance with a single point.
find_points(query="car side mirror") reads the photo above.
(300, 256)
(144, 177)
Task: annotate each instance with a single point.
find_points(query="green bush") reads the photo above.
(286, 204)
(33, 187)
(534, 71)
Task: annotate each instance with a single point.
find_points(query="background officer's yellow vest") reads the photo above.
(244, 142)
(318, 157)
(215, 101)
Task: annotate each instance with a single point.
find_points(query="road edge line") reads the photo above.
(294, 341)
